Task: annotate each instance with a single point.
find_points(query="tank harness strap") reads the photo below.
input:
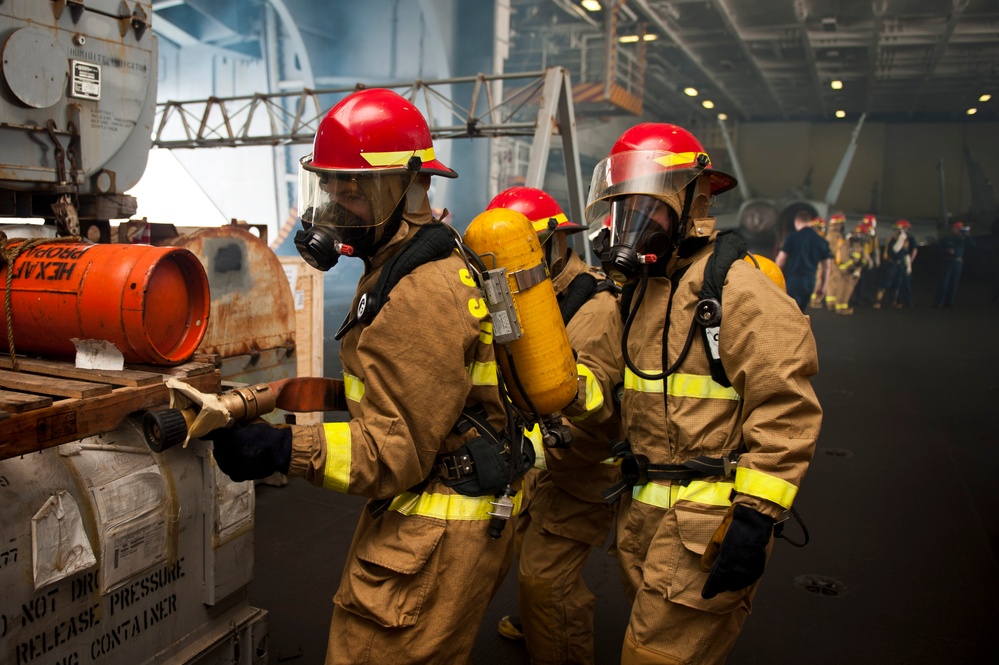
(637, 470)
(431, 242)
(729, 247)
(582, 287)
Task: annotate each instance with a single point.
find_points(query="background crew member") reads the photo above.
(800, 258)
(954, 247)
(899, 255)
(865, 293)
(849, 261)
(838, 249)
(695, 540)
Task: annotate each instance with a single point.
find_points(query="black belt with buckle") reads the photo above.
(454, 466)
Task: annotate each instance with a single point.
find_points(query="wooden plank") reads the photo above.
(185, 370)
(72, 419)
(125, 377)
(21, 402)
(47, 385)
(307, 291)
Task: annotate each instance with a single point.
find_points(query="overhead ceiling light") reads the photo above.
(840, 114)
(631, 39)
(985, 98)
(972, 111)
(591, 5)
(836, 85)
(723, 116)
(708, 104)
(690, 92)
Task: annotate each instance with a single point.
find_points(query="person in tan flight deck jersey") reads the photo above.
(420, 386)
(721, 428)
(567, 516)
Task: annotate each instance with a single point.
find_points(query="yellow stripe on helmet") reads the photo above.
(542, 224)
(674, 159)
(397, 158)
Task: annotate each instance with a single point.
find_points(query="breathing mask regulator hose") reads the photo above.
(642, 287)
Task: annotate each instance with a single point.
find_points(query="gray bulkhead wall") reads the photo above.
(899, 158)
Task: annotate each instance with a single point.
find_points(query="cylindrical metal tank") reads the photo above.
(110, 553)
(542, 356)
(152, 303)
(77, 98)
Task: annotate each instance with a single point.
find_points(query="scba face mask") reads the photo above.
(348, 213)
(643, 229)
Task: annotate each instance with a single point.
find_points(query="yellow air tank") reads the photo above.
(769, 268)
(542, 356)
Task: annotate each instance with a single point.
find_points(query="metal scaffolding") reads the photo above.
(537, 104)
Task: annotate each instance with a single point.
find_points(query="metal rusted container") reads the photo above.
(152, 303)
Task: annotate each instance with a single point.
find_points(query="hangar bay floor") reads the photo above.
(900, 502)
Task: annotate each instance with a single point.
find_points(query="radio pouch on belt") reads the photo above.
(481, 467)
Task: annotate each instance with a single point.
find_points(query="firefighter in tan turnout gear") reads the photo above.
(568, 517)
(721, 418)
(420, 387)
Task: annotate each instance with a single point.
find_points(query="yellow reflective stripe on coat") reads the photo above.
(763, 485)
(594, 396)
(681, 385)
(698, 491)
(448, 506)
(483, 374)
(336, 472)
(397, 157)
(353, 387)
(534, 436)
(486, 332)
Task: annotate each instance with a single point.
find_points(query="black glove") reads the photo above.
(251, 452)
(737, 553)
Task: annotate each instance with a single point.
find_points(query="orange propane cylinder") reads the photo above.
(152, 303)
(543, 356)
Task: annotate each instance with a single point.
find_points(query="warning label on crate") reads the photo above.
(131, 548)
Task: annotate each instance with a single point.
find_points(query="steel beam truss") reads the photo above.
(534, 104)
(262, 119)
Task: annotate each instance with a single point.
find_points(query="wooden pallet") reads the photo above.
(49, 402)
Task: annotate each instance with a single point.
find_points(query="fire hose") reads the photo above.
(193, 414)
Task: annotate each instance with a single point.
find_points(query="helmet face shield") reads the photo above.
(350, 199)
(653, 173)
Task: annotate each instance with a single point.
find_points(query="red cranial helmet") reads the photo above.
(903, 224)
(540, 207)
(368, 151)
(374, 130)
(643, 183)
